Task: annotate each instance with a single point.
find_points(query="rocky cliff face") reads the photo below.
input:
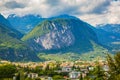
(56, 38)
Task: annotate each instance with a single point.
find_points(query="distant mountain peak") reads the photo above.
(12, 15)
(27, 15)
(112, 28)
(108, 25)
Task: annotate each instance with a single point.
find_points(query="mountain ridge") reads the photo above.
(25, 23)
(66, 34)
(11, 47)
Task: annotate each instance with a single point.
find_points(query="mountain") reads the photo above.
(62, 35)
(25, 23)
(109, 35)
(5, 22)
(113, 28)
(11, 48)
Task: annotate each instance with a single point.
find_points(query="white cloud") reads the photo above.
(92, 11)
(111, 15)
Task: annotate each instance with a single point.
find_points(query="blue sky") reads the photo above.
(91, 11)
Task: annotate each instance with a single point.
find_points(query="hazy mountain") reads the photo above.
(112, 28)
(25, 23)
(109, 35)
(5, 22)
(11, 48)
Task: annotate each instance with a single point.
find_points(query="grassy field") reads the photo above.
(98, 53)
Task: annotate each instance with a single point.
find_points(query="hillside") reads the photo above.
(4, 22)
(11, 48)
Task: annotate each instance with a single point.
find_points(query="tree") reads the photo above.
(57, 66)
(114, 66)
(7, 71)
(81, 78)
(18, 76)
(98, 73)
(28, 79)
(56, 77)
(117, 63)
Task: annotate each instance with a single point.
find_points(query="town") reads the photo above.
(54, 70)
(62, 70)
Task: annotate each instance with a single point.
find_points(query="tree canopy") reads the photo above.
(7, 70)
(114, 66)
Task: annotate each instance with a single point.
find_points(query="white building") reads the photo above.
(106, 68)
(66, 69)
(74, 74)
(90, 68)
(33, 75)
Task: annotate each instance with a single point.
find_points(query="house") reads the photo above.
(32, 75)
(50, 78)
(74, 75)
(90, 68)
(84, 70)
(84, 75)
(66, 69)
(14, 77)
(106, 68)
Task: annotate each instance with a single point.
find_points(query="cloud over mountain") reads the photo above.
(93, 11)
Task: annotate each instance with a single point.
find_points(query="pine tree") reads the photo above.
(81, 78)
(99, 74)
(114, 66)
